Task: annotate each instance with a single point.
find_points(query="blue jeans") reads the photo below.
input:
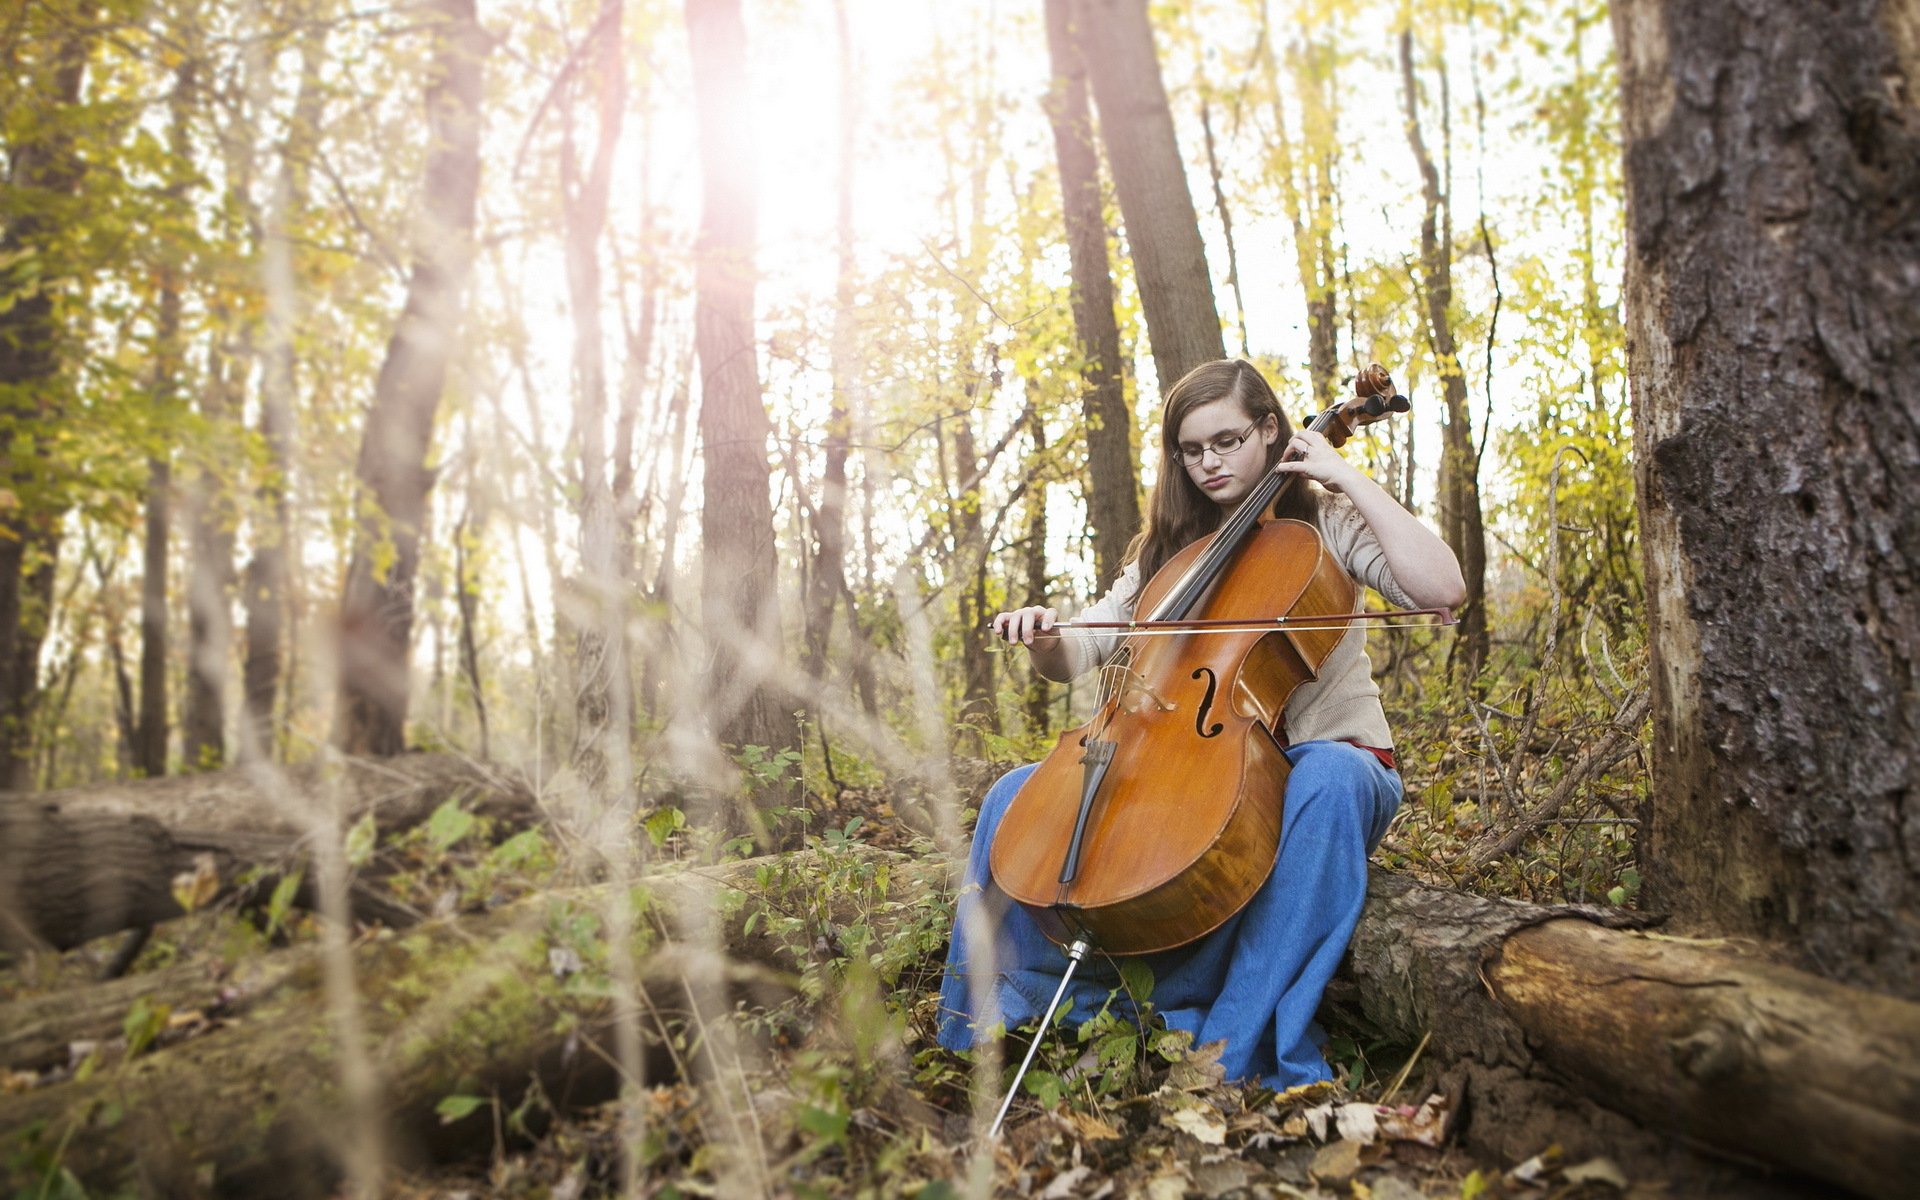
(1254, 983)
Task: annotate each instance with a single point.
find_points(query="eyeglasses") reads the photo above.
(1222, 446)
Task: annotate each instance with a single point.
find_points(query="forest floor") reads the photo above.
(852, 1100)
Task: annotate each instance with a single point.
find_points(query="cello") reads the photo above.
(1110, 842)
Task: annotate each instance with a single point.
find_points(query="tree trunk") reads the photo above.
(203, 739)
(827, 582)
(376, 612)
(1774, 341)
(45, 173)
(1113, 480)
(1150, 177)
(603, 692)
(1461, 521)
(80, 863)
(739, 580)
(1308, 195)
(265, 595)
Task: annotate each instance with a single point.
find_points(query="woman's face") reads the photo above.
(1224, 475)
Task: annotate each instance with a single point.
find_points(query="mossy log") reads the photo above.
(84, 862)
(481, 1006)
(1557, 1023)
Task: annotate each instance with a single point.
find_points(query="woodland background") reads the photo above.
(643, 409)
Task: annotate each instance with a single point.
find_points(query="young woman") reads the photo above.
(1255, 982)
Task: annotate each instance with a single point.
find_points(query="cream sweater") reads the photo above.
(1342, 704)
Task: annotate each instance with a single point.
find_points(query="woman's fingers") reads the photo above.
(1022, 624)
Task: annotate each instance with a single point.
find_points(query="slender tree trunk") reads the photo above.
(1308, 196)
(203, 741)
(828, 580)
(1038, 582)
(150, 740)
(1113, 479)
(603, 694)
(265, 596)
(739, 582)
(1774, 341)
(1461, 520)
(376, 613)
(970, 562)
(1150, 177)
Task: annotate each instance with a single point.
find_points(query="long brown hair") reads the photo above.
(1179, 512)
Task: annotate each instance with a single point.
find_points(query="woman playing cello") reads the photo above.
(1255, 982)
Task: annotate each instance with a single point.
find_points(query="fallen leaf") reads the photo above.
(1597, 1170)
(1089, 1126)
(1065, 1183)
(1335, 1163)
(191, 889)
(1357, 1123)
(1427, 1125)
(1203, 1123)
(1168, 1187)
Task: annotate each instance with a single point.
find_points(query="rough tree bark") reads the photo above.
(1113, 480)
(739, 581)
(1461, 521)
(84, 862)
(1773, 160)
(376, 611)
(1150, 178)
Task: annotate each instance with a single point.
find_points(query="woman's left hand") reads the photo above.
(1313, 455)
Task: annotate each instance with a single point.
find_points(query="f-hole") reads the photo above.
(1206, 705)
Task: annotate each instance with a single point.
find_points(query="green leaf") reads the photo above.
(522, 849)
(663, 823)
(449, 824)
(143, 1023)
(822, 1122)
(1137, 978)
(281, 901)
(454, 1108)
(361, 840)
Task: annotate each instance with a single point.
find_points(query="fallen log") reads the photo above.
(1700, 1041)
(1558, 1022)
(480, 1006)
(84, 862)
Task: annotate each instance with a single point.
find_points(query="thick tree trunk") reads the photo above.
(77, 864)
(739, 580)
(1113, 481)
(376, 612)
(45, 172)
(1462, 523)
(1775, 353)
(1150, 177)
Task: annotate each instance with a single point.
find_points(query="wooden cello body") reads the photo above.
(1184, 824)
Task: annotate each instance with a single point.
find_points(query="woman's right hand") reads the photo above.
(1023, 625)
